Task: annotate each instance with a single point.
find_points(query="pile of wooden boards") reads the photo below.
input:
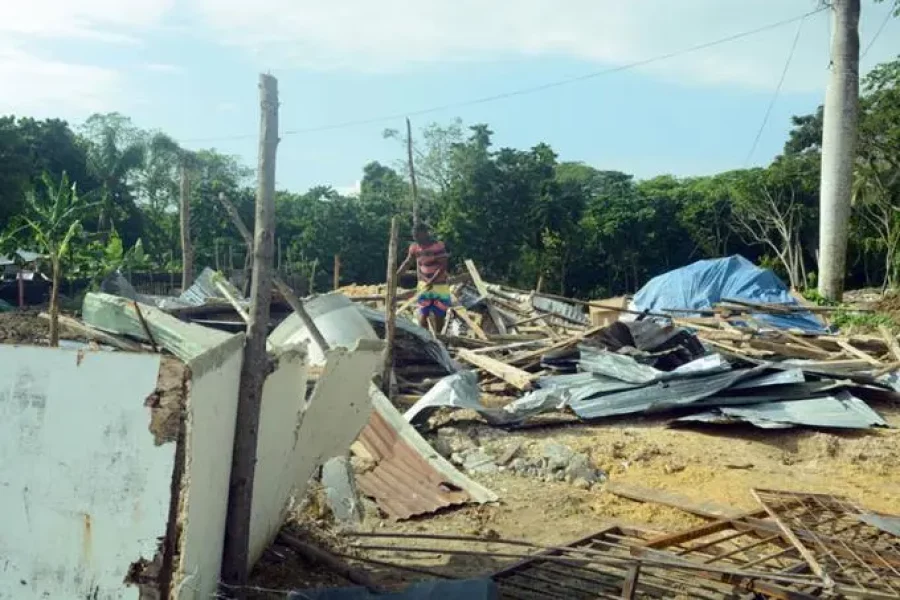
(504, 333)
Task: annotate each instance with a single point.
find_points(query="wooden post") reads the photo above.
(283, 289)
(412, 174)
(235, 560)
(187, 250)
(390, 296)
(216, 250)
(337, 272)
(312, 276)
(279, 256)
(21, 279)
(230, 259)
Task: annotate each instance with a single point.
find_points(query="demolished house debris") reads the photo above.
(719, 342)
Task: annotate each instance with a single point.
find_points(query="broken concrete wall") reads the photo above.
(209, 438)
(297, 435)
(84, 488)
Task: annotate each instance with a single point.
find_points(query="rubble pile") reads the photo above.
(716, 343)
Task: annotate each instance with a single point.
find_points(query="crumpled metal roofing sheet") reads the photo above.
(660, 395)
(410, 478)
(839, 411)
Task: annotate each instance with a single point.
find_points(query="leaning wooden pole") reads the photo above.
(282, 287)
(412, 174)
(235, 560)
(390, 318)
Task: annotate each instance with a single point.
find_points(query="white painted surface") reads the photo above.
(84, 490)
(296, 436)
(212, 411)
(337, 319)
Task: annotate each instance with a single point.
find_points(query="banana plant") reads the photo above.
(52, 221)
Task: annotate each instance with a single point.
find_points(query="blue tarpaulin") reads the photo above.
(466, 589)
(704, 283)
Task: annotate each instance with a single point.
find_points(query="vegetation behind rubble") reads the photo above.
(523, 215)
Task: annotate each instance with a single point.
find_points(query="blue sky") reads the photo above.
(190, 67)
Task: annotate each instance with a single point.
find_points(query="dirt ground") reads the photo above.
(26, 327)
(713, 465)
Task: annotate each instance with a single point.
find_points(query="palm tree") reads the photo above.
(111, 166)
(53, 218)
(162, 144)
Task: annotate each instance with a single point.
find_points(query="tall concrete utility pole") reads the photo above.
(838, 148)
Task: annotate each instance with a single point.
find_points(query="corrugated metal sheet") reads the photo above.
(403, 483)
(410, 478)
(839, 411)
(661, 395)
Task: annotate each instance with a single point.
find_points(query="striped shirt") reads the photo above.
(429, 259)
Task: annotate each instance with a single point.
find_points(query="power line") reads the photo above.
(784, 71)
(528, 90)
(887, 17)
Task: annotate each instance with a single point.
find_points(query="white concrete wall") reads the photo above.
(211, 413)
(84, 490)
(296, 435)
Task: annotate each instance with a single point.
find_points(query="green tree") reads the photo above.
(115, 151)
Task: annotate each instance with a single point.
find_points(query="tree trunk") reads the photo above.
(838, 148)
(235, 560)
(54, 304)
(187, 250)
(412, 174)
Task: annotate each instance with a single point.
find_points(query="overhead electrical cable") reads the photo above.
(523, 91)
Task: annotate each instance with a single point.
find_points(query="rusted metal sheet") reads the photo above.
(409, 478)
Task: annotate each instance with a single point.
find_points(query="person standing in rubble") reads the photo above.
(431, 270)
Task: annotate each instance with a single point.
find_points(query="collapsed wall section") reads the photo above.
(85, 487)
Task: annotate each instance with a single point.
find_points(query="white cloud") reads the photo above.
(396, 34)
(51, 88)
(46, 85)
(163, 68)
(102, 20)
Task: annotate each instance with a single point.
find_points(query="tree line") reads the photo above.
(523, 215)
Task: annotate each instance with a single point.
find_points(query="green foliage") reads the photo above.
(521, 214)
(863, 322)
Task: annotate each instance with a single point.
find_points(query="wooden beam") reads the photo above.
(390, 318)
(859, 353)
(519, 379)
(483, 291)
(463, 314)
(255, 367)
(96, 335)
(708, 510)
(282, 287)
(891, 341)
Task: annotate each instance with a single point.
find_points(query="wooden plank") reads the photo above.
(521, 380)
(461, 312)
(483, 291)
(639, 493)
(532, 358)
(891, 340)
(96, 335)
(859, 353)
(807, 555)
(789, 350)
